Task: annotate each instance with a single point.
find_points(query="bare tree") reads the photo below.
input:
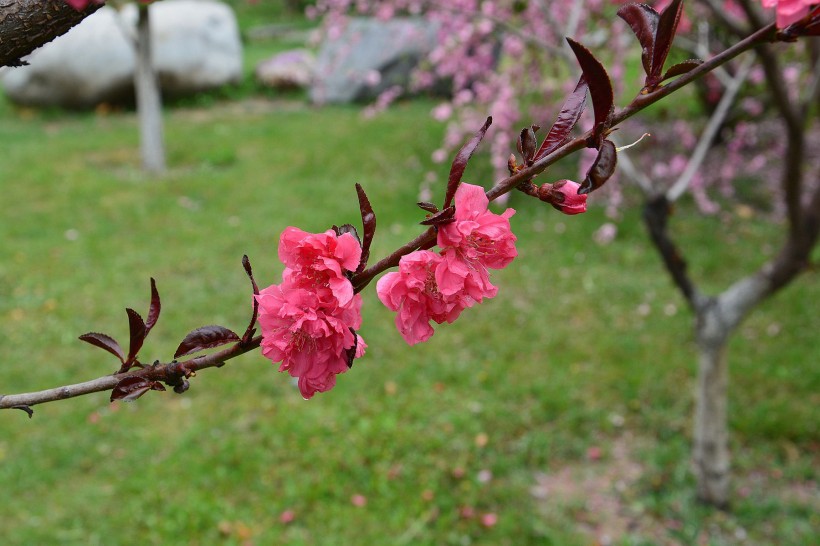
(717, 316)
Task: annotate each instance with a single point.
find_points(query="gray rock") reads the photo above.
(369, 57)
(288, 70)
(196, 47)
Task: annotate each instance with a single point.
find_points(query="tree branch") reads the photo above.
(656, 213)
(175, 373)
(172, 374)
(25, 25)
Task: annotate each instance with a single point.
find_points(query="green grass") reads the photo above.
(541, 370)
(497, 412)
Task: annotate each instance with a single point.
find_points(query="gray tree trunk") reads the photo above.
(711, 434)
(149, 99)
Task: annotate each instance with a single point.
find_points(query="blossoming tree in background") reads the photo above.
(785, 93)
(310, 321)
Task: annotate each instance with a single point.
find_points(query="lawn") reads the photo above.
(554, 414)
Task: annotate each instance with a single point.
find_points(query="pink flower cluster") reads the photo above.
(789, 11)
(439, 286)
(309, 321)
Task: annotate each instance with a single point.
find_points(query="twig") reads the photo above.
(708, 135)
(656, 213)
(171, 373)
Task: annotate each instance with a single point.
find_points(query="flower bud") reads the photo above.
(563, 196)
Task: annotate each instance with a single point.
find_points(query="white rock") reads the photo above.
(196, 47)
(288, 70)
(92, 63)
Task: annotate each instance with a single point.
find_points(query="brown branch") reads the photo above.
(656, 212)
(795, 255)
(172, 374)
(25, 25)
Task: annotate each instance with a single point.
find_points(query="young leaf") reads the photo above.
(460, 162)
(681, 68)
(136, 327)
(351, 352)
(426, 206)
(131, 388)
(246, 264)
(154, 309)
(527, 144)
(24, 407)
(600, 86)
(667, 25)
(643, 20)
(601, 169)
(571, 112)
(347, 228)
(205, 337)
(104, 342)
(441, 217)
(368, 226)
(250, 330)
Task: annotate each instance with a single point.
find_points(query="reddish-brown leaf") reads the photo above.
(154, 309)
(681, 68)
(348, 228)
(600, 86)
(667, 26)
(351, 352)
(203, 338)
(460, 162)
(136, 327)
(107, 343)
(571, 112)
(527, 144)
(643, 20)
(131, 388)
(250, 330)
(441, 217)
(368, 226)
(601, 169)
(426, 206)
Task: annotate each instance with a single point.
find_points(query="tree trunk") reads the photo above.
(149, 99)
(25, 25)
(711, 434)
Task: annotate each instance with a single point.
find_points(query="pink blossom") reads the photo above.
(569, 202)
(320, 260)
(467, 280)
(478, 235)
(414, 293)
(80, 5)
(789, 11)
(311, 341)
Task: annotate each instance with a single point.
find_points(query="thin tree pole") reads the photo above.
(149, 98)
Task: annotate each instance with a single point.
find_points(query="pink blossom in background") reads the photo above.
(572, 202)
(478, 235)
(789, 11)
(412, 291)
